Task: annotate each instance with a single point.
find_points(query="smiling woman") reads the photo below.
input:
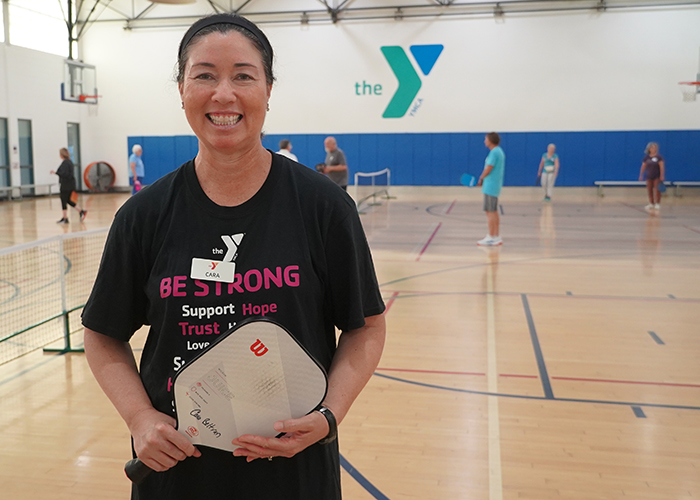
(301, 229)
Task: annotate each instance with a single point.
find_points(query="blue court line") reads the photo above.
(656, 338)
(541, 366)
(671, 296)
(638, 412)
(538, 398)
(501, 207)
(364, 482)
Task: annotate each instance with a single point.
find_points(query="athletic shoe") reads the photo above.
(83, 213)
(62, 221)
(657, 206)
(649, 207)
(547, 198)
(490, 241)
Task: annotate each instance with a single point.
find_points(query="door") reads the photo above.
(4, 155)
(26, 156)
(74, 150)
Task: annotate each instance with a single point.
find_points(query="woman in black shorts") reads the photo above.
(653, 171)
(66, 180)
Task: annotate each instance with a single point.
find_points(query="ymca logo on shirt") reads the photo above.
(219, 270)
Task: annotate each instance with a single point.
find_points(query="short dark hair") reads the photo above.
(494, 138)
(284, 143)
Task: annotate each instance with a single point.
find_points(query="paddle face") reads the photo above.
(662, 187)
(252, 377)
(467, 180)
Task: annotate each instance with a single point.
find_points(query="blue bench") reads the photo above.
(677, 185)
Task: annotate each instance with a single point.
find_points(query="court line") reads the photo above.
(362, 480)
(494, 423)
(693, 230)
(390, 302)
(427, 244)
(541, 366)
(540, 398)
(656, 338)
(638, 412)
(553, 377)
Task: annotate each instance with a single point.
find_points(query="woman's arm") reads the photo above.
(354, 362)
(156, 441)
(662, 169)
(556, 166)
(539, 172)
(641, 172)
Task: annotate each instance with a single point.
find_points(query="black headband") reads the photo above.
(205, 22)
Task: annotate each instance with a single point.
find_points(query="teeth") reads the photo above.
(225, 119)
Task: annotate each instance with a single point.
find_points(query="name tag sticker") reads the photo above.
(212, 270)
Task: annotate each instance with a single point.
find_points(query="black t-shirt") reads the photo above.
(66, 177)
(301, 258)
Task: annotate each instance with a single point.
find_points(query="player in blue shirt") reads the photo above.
(491, 182)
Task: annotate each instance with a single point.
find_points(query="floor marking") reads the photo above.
(427, 243)
(638, 412)
(541, 366)
(569, 293)
(447, 212)
(656, 338)
(364, 482)
(541, 398)
(501, 207)
(495, 474)
(390, 302)
(671, 296)
(637, 382)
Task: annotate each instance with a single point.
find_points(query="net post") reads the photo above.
(65, 314)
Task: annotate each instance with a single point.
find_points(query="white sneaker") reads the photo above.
(649, 207)
(657, 206)
(490, 241)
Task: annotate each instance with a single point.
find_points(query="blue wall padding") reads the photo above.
(439, 159)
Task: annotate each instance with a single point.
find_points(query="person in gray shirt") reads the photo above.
(336, 165)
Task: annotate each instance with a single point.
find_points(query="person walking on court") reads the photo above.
(653, 170)
(548, 171)
(137, 168)
(491, 182)
(336, 165)
(66, 181)
(286, 150)
(289, 240)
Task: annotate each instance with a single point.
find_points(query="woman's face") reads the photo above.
(224, 92)
(550, 150)
(653, 149)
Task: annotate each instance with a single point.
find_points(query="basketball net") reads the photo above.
(689, 90)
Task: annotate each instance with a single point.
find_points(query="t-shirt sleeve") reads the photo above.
(341, 158)
(118, 303)
(353, 288)
(491, 158)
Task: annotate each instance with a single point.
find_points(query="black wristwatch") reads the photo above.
(332, 424)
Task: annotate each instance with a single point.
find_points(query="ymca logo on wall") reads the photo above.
(409, 81)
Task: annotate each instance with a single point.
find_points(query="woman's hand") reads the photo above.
(299, 434)
(156, 441)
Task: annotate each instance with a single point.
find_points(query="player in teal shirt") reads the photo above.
(491, 182)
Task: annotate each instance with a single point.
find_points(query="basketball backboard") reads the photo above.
(79, 82)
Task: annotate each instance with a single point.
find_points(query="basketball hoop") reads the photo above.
(690, 90)
(92, 98)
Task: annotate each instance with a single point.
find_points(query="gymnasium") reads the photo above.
(562, 364)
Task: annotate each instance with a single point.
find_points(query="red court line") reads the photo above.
(513, 375)
(694, 230)
(451, 206)
(429, 241)
(391, 301)
(429, 371)
(668, 384)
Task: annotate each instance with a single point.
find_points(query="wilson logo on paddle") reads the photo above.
(258, 348)
(409, 82)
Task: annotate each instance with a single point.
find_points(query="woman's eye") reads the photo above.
(203, 76)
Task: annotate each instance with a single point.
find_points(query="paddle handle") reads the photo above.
(137, 471)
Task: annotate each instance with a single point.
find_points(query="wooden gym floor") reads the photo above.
(562, 365)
